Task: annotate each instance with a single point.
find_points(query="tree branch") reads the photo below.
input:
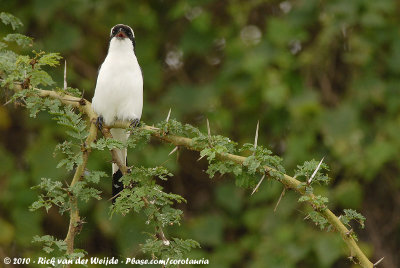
(288, 181)
(75, 220)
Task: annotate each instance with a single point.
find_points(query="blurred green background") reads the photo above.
(322, 77)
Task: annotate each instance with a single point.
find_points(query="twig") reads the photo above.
(72, 100)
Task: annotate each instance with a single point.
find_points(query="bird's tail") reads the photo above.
(121, 135)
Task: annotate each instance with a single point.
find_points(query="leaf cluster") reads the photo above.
(53, 193)
(68, 117)
(50, 243)
(349, 215)
(141, 193)
(9, 19)
(58, 249)
(304, 172)
(25, 70)
(319, 220)
(177, 248)
(71, 159)
(317, 201)
(85, 193)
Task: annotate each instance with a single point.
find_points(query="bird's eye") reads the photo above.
(130, 33)
(114, 31)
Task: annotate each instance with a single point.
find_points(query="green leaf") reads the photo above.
(2, 45)
(9, 19)
(105, 143)
(94, 176)
(176, 248)
(70, 91)
(318, 219)
(20, 39)
(72, 158)
(53, 194)
(50, 59)
(40, 77)
(82, 192)
(50, 243)
(305, 171)
(350, 214)
(304, 198)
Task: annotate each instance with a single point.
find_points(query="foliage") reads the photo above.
(50, 244)
(178, 248)
(141, 193)
(55, 195)
(9, 19)
(350, 214)
(57, 248)
(305, 172)
(26, 70)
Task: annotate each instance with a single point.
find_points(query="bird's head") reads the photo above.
(121, 32)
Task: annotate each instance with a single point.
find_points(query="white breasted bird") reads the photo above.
(119, 91)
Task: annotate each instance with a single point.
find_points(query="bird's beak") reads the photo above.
(121, 34)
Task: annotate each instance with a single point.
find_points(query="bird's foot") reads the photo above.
(135, 123)
(100, 122)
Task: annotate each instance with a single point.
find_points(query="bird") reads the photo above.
(118, 94)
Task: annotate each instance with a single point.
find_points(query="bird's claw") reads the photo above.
(135, 123)
(99, 122)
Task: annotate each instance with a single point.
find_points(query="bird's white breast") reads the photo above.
(119, 88)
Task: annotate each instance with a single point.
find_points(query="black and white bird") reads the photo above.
(119, 91)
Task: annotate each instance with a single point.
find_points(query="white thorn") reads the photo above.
(169, 114)
(208, 129)
(65, 74)
(378, 262)
(201, 157)
(280, 198)
(315, 171)
(258, 185)
(173, 151)
(256, 137)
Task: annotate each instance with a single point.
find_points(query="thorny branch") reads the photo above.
(288, 181)
(75, 220)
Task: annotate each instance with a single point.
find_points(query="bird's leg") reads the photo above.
(135, 123)
(99, 122)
